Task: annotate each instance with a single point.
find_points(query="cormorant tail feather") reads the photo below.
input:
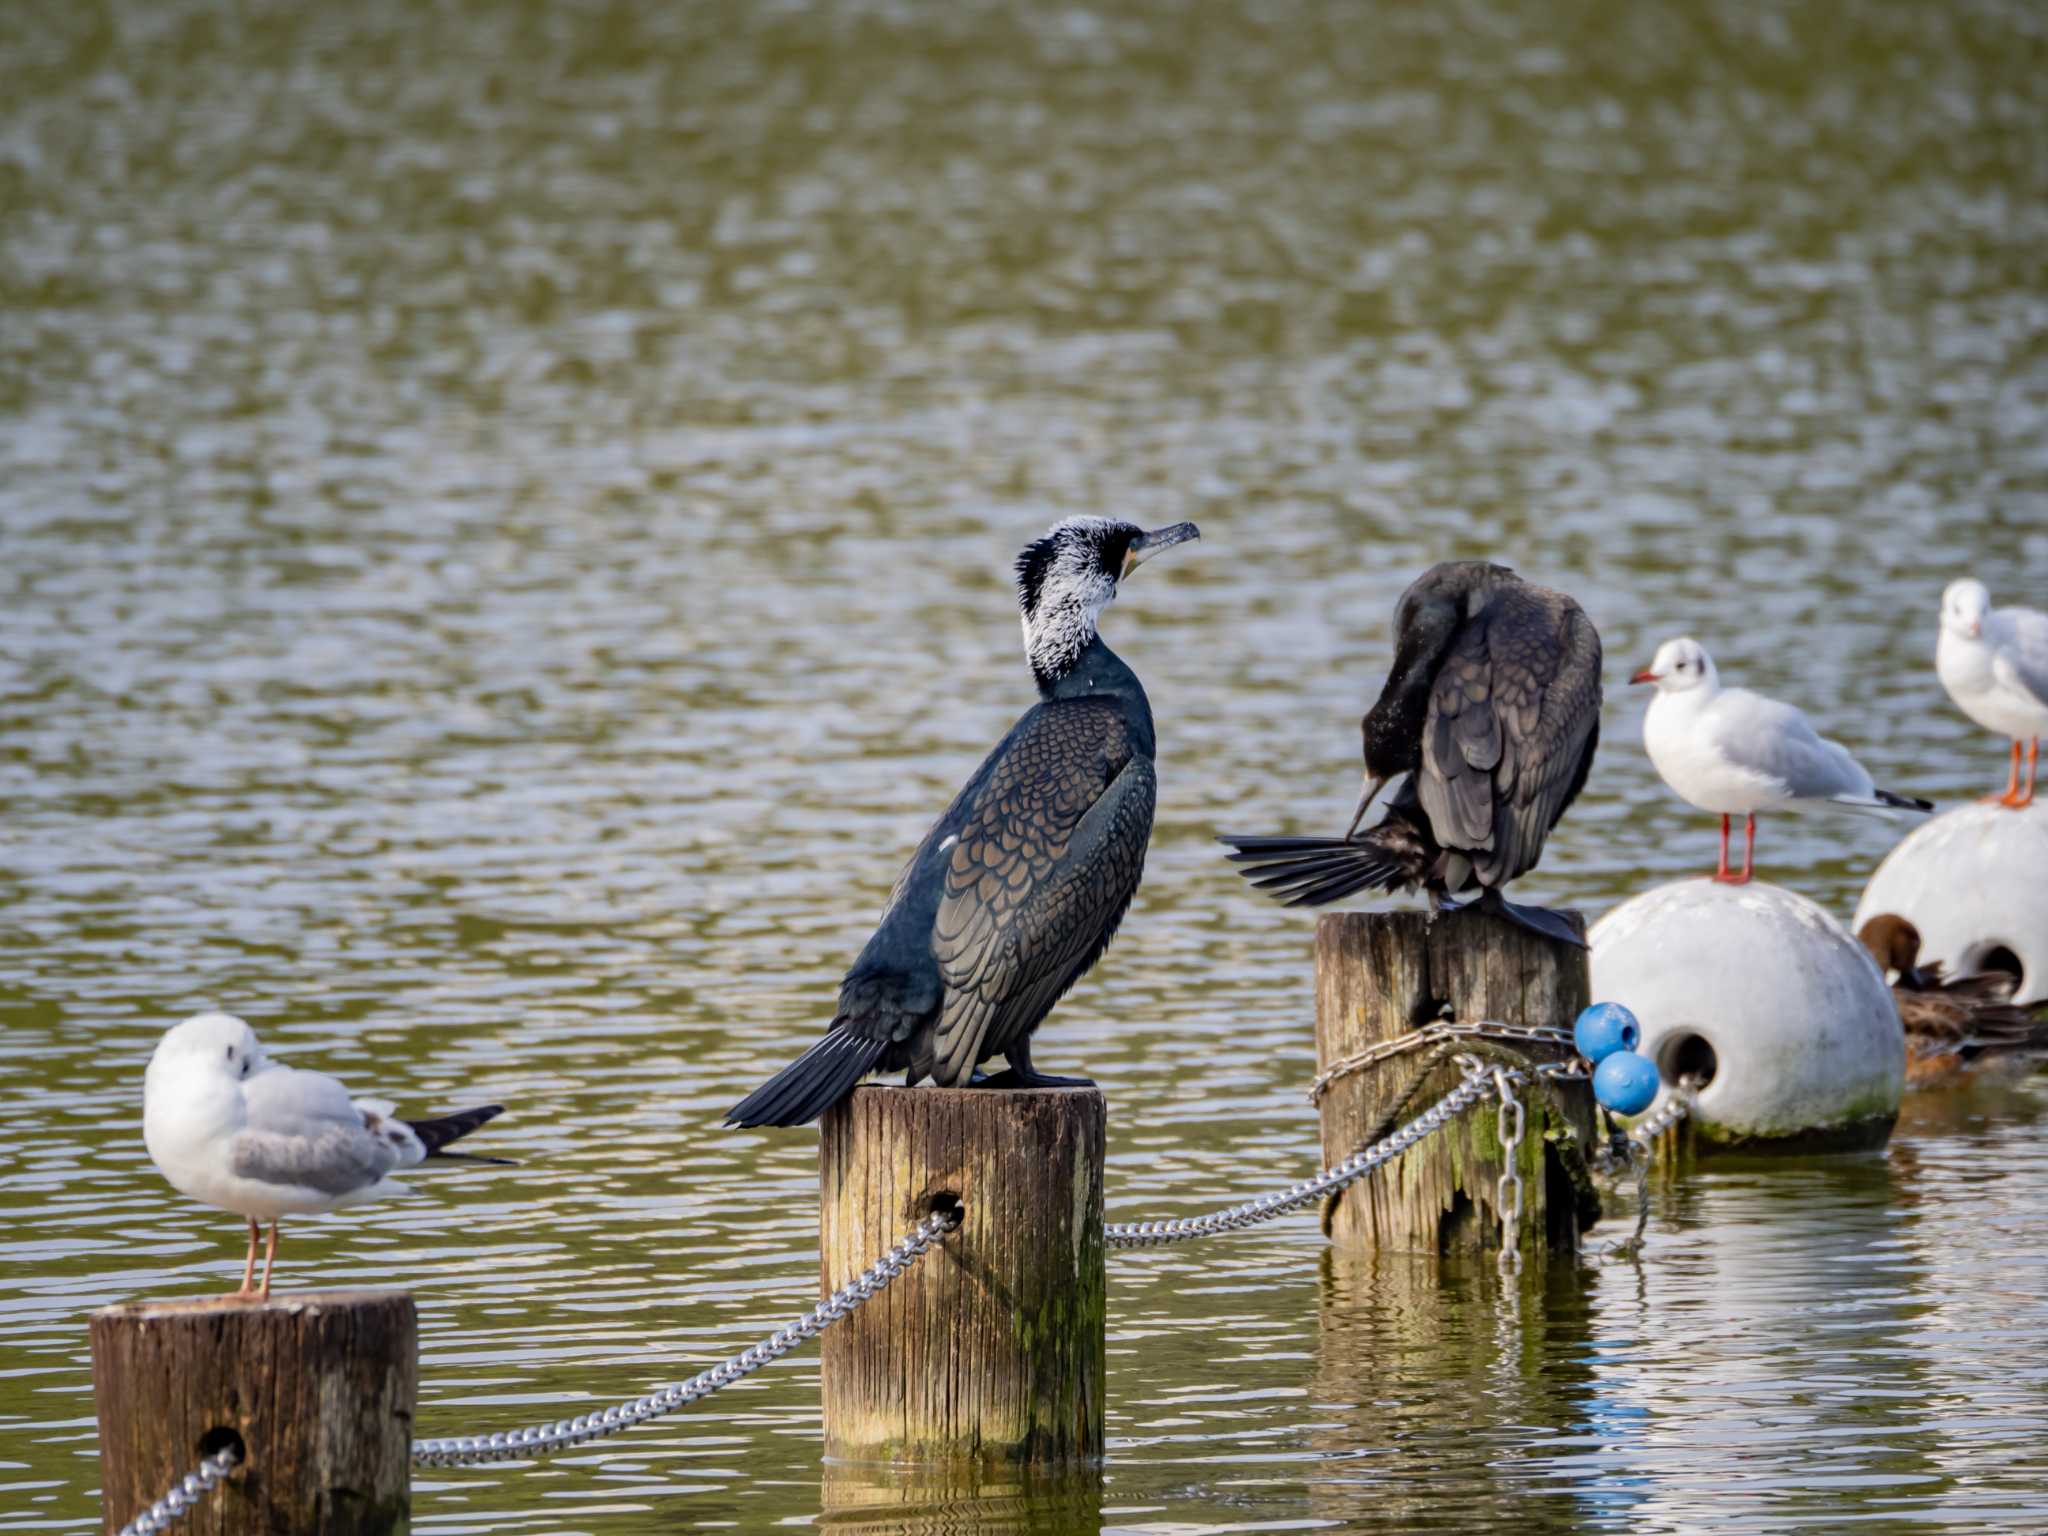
(811, 1084)
(1312, 871)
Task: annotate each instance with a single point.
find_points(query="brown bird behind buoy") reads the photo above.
(1949, 1022)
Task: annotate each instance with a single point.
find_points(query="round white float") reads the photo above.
(1767, 997)
(1974, 881)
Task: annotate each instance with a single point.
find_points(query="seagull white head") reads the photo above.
(1963, 608)
(1067, 578)
(1679, 665)
(218, 1044)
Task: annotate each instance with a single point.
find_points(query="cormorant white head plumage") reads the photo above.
(1067, 578)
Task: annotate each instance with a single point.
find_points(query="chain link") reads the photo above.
(1507, 1193)
(1152, 1234)
(184, 1496)
(1642, 1146)
(1433, 1034)
(540, 1439)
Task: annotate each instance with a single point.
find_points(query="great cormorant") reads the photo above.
(1492, 712)
(1016, 891)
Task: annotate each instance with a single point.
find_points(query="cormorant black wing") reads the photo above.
(1046, 862)
(1514, 717)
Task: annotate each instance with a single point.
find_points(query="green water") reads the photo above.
(504, 524)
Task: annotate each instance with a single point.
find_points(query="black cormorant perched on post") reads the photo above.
(1492, 711)
(1014, 892)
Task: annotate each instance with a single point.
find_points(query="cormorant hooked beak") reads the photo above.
(1366, 796)
(1146, 545)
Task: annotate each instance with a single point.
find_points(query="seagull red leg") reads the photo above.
(1748, 849)
(1724, 874)
(2033, 770)
(2012, 782)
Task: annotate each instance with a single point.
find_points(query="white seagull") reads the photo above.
(234, 1129)
(1994, 664)
(1737, 753)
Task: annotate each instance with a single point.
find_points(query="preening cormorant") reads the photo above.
(1016, 891)
(1492, 713)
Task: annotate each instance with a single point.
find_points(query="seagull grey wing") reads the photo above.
(1513, 722)
(1044, 868)
(1775, 740)
(2025, 654)
(303, 1131)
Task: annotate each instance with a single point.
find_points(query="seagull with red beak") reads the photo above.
(1735, 753)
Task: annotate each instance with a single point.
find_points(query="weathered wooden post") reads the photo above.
(992, 1348)
(316, 1388)
(1382, 974)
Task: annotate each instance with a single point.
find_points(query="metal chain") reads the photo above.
(1507, 1192)
(1151, 1234)
(184, 1496)
(1432, 1034)
(540, 1439)
(1642, 1145)
(1677, 1105)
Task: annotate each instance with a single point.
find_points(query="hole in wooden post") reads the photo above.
(221, 1438)
(942, 1202)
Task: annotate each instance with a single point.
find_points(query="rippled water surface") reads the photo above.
(506, 512)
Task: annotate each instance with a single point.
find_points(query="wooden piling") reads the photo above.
(316, 1388)
(992, 1347)
(1382, 974)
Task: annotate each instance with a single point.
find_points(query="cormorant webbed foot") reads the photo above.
(1540, 920)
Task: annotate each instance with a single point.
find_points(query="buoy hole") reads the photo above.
(1997, 957)
(221, 1438)
(944, 1203)
(1688, 1055)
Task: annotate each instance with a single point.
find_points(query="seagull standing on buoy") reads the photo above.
(1490, 717)
(234, 1129)
(1994, 664)
(1017, 889)
(1735, 752)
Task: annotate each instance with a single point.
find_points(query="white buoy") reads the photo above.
(1974, 881)
(1766, 998)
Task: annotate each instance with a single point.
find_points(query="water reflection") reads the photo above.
(1443, 1373)
(876, 1501)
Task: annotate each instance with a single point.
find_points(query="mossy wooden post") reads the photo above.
(1381, 974)
(992, 1347)
(317, 1388)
